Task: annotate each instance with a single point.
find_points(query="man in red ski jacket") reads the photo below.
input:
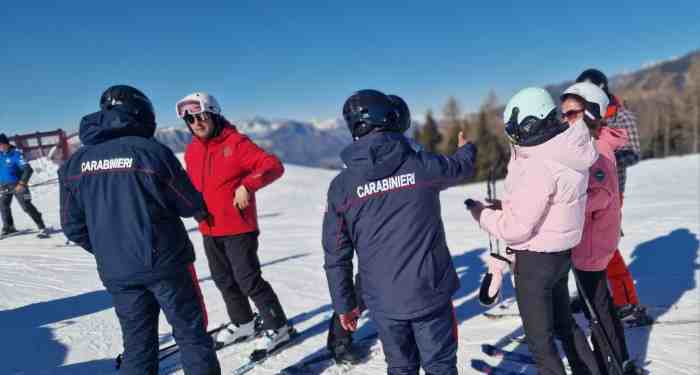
(228, 168)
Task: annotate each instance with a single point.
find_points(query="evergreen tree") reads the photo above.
(430, 136)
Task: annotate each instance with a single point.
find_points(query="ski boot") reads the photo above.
(634, 315)
(270, 340)
(43, 233)
(8, 230)
(233, 333)
(631, 368)
(343, 352)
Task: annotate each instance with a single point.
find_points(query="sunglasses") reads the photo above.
(190, 119)
(571, 115)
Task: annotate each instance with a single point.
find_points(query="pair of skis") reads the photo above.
(17, 233)
(362, 346)
(40, 235)
(172, 349)
(259, 357)
(306, 366)
(255, 359)
(514, 315)
(493, 351)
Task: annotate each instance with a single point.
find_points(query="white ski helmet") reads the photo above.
(196, 103)
(526, 112)
(594, 98)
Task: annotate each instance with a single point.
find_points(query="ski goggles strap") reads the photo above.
(189, 107)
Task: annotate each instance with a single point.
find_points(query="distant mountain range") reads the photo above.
(319, 145)
(667, 77)
(296, 142)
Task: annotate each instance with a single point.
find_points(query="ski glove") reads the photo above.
(490, 290)
(349, 320)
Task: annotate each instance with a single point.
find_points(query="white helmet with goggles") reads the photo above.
(594, 98)
(197, 103)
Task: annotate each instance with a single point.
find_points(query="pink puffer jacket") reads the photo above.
(601, 231)
(545, 194)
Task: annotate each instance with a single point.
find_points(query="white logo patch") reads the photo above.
(387, 184)
(106, 164)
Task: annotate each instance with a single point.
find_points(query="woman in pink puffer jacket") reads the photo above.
(541, 219)
(601, 230)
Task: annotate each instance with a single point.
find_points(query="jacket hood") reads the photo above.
(612, 137)
(380, 154)
(572, 148)
(103, 126)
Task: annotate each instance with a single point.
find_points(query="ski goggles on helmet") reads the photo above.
(189, 107)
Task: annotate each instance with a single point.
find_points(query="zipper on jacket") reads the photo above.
(209, 162)
(204, 169)
(204, 164)
(154, 255)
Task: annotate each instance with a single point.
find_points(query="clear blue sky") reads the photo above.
(300, 59)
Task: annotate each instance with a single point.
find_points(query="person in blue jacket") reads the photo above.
(14, 179)
(386, 207)
(122, 198)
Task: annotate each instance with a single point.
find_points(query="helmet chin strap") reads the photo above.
(512, 125)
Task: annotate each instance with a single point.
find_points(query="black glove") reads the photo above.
(202, 216)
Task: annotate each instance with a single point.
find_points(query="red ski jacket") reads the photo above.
(217, 167)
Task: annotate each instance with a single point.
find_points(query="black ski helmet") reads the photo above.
(366, 110)
(133, 100)
(404, 121)
(596, 77)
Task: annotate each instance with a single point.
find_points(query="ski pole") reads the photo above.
(598, 330)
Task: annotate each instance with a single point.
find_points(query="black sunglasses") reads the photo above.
(571, 115)
(189, 119)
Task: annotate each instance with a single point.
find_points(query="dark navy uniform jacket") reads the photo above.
(386, 206)
(122, 196)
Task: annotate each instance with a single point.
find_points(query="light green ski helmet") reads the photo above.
(531, 101)
(524, 111)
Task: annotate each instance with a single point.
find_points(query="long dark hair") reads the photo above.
(593, 125)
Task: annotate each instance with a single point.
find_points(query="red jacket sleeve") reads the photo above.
(263, 168)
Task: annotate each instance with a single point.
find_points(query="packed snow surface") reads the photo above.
(56, 317)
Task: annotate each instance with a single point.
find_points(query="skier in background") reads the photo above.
(14, 180)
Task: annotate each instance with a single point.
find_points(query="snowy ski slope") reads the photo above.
(56, 318)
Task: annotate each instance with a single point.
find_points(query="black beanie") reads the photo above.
(4, 140)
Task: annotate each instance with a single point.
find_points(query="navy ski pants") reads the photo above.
(429, 342)
(138, 306)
